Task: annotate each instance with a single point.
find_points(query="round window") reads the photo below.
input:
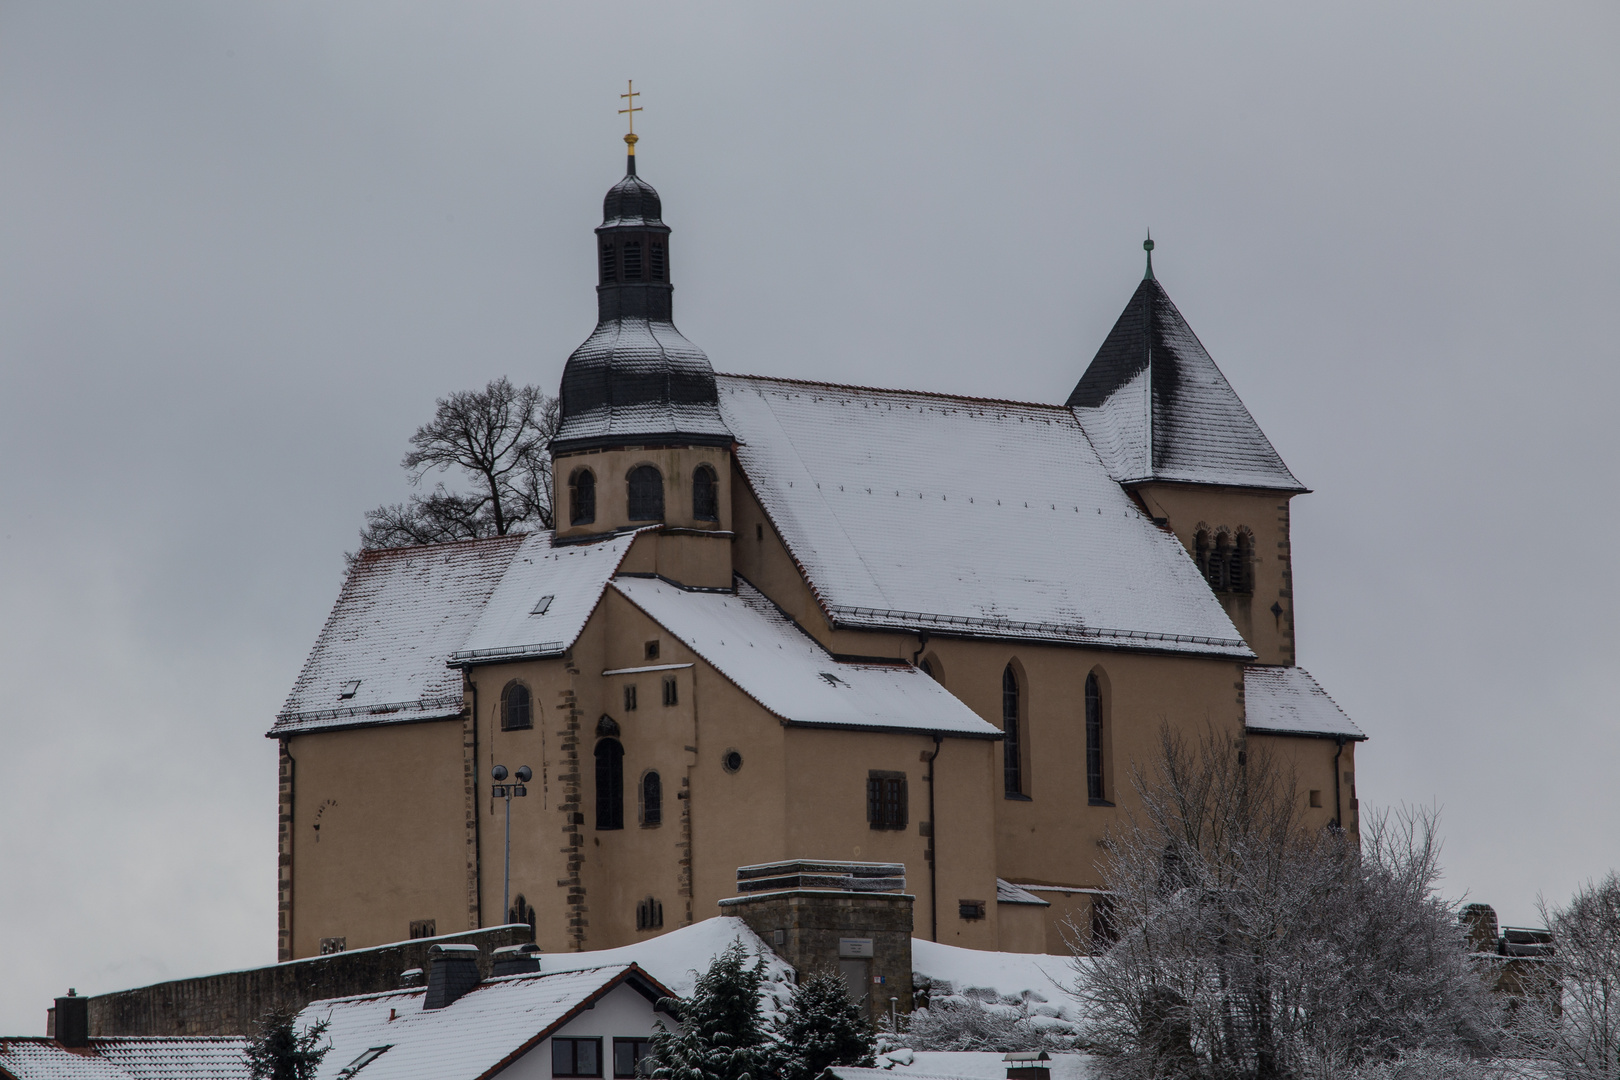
(732, 761)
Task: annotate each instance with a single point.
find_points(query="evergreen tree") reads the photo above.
(822, 1028)
(722, 1036)
(281, 1052)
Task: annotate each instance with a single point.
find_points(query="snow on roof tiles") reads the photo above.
(1008, 893)
(188, 1058)
(927, 512)
(1157, 408)
(752, 643)
(1288, 701)
(573, 576)
(381, 655)
(44, 1059)
(677, 958)
(465, 1039)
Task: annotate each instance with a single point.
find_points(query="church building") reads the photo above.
(781, 619)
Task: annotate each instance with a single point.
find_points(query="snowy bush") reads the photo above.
(1570, 1017)
(980, 1019)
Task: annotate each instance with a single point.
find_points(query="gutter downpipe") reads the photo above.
(478, 817)
(933, 845)
(1338, 798)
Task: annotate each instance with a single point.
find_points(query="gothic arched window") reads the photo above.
(609, 784)
(516, 713)
(1094, 735)
(646, 494)
(582, 497)
(1239, 577)
(1012, 761)
(652, 800)
(705, 494)
(1219, 563)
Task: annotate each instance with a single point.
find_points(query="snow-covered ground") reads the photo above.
(1038, 980)
(967, 1065)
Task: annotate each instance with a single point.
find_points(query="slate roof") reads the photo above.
(1157, 408)
(925, 512)
(485, 1028)
(401, 613)
(149, 1058)
(1008, 893)
(752, 643)
(1288, 701)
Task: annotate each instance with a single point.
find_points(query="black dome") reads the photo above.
(632, 201)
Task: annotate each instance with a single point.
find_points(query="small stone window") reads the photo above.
(649, 916)
(705, 494)
(652, 801)
(582, 497)
(1316, 798)
(650, 650)
(886, 802)
(517, 713)
(970, 909)
(731, 761)
(632, 260)
(646, 494)
(330, 945)
(421, 928)
(672, 693)
(629, 697)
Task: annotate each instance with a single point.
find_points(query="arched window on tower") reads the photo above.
(1219, 561)
(1012, 760)
(632, 260)
(705, 494)
(646, 494)
(1240, 564)
(1201, 552)
(516, 713)
(656, 260)
(609, 784)
(582, 497)
(652, 801)
(610, 264)
(1094, 736)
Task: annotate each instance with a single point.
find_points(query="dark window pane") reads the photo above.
(586, 1052)
(582, 497)
(646, 494)
(515, 707)
(652, 800)
(609, 784)
(562, 1057)
(1094, 759)
(1011, 750)
(705, 494)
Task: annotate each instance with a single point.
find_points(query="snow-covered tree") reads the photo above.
(823, 1027)
(1570, 1017)
(1250, 946)
(496, 438)
(722, 1035)
(279, 1051)
(977, 1019)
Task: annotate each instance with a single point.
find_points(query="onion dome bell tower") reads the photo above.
(636, 380)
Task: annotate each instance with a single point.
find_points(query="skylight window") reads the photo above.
(540, 608)
(349, 689)
(362, 1061)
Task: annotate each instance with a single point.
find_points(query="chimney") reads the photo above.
(516, 960)
(452, 971)
(72, 1026)
(410, 977)
(1028, 1066)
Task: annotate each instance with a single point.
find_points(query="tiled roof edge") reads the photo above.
(854, 388)
(1008, 628)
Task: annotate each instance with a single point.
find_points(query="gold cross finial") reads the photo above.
(631, 109)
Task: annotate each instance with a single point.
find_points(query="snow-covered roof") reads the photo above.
(636, 378)
(468, 1038)
(1008, 893)
(751, 642)
(1008, 974)
(944, 514)
(1157, 408)
(381, 656)
(964, 1065)
(543, 600)
(1287, 701)
(145, 1058)
(677, 958)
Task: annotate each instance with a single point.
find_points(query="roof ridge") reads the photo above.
(1042, 405)
(378, 553)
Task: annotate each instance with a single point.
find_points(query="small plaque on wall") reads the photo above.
(850, 948)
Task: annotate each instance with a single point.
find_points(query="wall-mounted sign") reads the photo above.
(854, 947)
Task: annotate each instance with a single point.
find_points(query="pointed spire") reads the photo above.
(1147, 246)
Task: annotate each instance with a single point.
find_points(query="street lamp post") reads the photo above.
(506, 791)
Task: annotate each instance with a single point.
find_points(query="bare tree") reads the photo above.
(1573, 1025)
(496, 438)
(1252, 946)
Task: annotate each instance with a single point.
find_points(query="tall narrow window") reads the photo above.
(582, 497)
(886, 803)
(646, 494)
(610, 265)
(705, 494)
(1238, 576)
(1094, 734)
(1216, 572)
(609, 784)
(1012, 761)
(1201, 552)
(656, 259)
(516, 713)
(632, 260)
(652, 801)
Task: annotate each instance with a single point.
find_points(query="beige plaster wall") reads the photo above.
(1190, 507)
(1310, 762)
(695, 559)
(391, 842)
(612, 468)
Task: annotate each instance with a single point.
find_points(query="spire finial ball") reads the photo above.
(1147, 245)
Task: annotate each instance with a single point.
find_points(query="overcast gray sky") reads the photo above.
(244, 247)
